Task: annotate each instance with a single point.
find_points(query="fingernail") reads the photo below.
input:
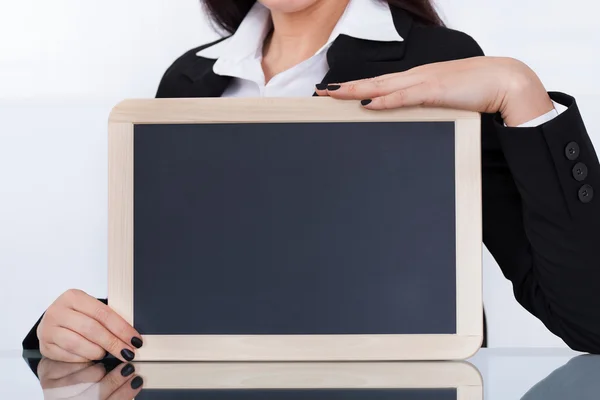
(331, 88)
(137, 342)
(322, 86)
(127, 370)
(127, 354)
(366, 102)
(137, 382)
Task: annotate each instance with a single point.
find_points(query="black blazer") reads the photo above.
(540, 219)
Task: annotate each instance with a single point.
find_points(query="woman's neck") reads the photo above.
(297, 36)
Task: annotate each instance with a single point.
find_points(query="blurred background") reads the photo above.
(65, 63)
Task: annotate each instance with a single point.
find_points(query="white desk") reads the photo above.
(530, 374)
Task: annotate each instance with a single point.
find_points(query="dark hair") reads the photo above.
(228, 14)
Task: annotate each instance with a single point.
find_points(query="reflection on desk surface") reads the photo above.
(577, 380)
(303, 381)
(266, 381)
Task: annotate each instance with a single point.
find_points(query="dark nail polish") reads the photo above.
(331, 88)
(366, 102)
(127, 354)
(137, 342)
(137, 382)
(127, 370)
(322, 86)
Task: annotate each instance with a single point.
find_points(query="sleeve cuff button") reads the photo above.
(572, 151)
(580, 172)
(586, 193)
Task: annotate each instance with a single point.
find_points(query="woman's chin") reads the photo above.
(289, 6)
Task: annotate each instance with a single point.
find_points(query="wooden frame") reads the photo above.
(461, 345)
(382, 375)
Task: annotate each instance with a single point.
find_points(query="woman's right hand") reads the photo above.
(80, 328)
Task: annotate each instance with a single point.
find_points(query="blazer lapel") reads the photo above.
(352, 59)
(205, 83)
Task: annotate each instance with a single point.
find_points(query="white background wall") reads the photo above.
(65, 63)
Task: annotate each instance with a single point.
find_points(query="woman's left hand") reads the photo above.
(483, 84)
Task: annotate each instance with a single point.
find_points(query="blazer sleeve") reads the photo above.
(31, 341)
(541, 217)
(541, 220)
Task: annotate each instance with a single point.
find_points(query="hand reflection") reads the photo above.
(87, 381)
(578, 379)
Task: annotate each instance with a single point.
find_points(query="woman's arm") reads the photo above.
(541, 221)
(541, 227)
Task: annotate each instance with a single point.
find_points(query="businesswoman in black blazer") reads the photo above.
(541, 217)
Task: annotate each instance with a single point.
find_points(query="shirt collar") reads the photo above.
(362, 19)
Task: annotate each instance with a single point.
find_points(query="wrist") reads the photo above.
(526, 98)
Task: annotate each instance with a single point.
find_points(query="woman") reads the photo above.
(539, 166)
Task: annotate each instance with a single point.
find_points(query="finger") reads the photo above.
(92, 374)
(323, 88)
(54, 352)
(95, 332)
(118, 377)
(373, 87)
(51, 370)
(129, 390)
(417, 95)
(76, 344)
(106, 316)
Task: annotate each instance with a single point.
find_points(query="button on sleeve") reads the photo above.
(580, 172)
(586, 193)
(572, 151)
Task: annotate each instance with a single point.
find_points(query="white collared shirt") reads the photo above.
(240, 55)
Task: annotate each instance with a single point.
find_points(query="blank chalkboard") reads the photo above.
(339, 228)
(288, 229)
